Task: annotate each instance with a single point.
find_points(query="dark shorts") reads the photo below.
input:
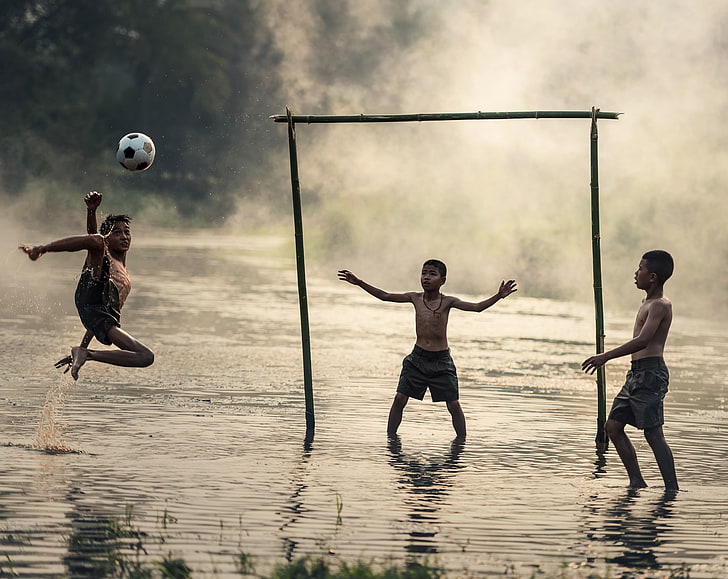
(639, 403)
(99, 320)
(423, 369)
(97, 303)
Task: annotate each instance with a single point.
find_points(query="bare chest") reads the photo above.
(121, 278)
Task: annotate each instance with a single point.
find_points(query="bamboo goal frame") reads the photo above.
(594, 115)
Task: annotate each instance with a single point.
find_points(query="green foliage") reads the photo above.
(79, 74)
(244, 564)
(174, 568)
(320, 568)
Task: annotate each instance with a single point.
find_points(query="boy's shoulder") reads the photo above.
(660, 306)
(658, 302)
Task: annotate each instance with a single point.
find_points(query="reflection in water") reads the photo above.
(600, 463)
(295, 506)
(427, 481)
(637, 534)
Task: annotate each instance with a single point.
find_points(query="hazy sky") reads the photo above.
(511, 198)
(501, 199)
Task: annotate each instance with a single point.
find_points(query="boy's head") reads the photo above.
(433, 275)
(112, 220)
(660, 263)
(438, 265)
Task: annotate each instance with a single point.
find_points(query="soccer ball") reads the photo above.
(136, 152)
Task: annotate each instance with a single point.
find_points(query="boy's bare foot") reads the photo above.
(637, 484)
(79, 356)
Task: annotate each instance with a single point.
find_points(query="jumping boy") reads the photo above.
(429, 365)
(102, 290)
(640, 401)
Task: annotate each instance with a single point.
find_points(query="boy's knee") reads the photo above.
(653, 435)
(146, 358)
(613, 429)
(400, 399)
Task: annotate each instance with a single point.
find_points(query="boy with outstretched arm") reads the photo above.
(102, 290)
(430, 364)
(640, 401)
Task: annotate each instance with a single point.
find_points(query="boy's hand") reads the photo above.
(507, 288)
(32, 251)
(93, 200)
(591, 364)
(346, 275)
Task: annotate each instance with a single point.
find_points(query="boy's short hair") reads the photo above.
(112, 220)
(438, 265)
(659, 262)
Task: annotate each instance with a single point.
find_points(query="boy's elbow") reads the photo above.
(97, 239)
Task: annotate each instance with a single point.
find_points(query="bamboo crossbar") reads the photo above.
(420, 117)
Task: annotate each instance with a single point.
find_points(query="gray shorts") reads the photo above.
(423, 369)
(639, 402)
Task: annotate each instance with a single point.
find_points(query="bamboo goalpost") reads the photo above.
(594, 114)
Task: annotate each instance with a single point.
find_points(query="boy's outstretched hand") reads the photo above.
(32, 251)
(507, 288)
(346, 275)
(591, 364)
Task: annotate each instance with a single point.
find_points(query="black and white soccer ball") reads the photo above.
(136, 152)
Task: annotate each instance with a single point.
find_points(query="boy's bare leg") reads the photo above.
(395, 413)
(458, 418)
(615, 431)
(131, 353)
(663, 455)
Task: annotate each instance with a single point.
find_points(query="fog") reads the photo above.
(497, 199)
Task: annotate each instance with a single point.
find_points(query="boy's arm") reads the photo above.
(92, 243)
(655, 315)
(346, 275)
(506, 288)
(92, 201)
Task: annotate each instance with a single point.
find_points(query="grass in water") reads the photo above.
(116, 547)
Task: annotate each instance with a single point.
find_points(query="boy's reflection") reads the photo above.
(427, 480)
(638, 534)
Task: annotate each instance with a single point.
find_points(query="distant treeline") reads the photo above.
(76, 75)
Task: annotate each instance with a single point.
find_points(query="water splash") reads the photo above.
(48, 434)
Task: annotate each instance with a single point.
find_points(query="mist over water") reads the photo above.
(493, 199)
(498, 199)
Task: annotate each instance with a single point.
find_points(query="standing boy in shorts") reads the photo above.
(102, 290)
(639, 403)
(429, 365)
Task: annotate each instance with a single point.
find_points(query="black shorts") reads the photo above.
(99, 320)
(639, 402)
(423, 369)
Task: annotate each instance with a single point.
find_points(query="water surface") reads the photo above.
(207, 447)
